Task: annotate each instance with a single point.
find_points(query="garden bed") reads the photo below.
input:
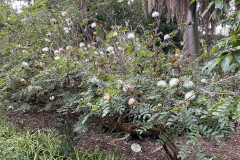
(96, 137)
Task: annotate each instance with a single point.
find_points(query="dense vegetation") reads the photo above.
(94, 62)
(14, 145)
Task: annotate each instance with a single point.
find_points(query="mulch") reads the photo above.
(96, 137)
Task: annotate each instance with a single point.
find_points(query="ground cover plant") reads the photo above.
(141, 81)
(39, 145)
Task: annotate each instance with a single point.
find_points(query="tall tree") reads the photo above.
(186, 12)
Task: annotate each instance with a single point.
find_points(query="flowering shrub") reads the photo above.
(127, 81)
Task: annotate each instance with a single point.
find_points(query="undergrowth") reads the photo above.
(40, 146)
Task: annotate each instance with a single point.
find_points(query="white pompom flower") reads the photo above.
(69, 48)
(81, 45)
(68, 19)
(155, 14)
(190, 96)
(110, 49)
(47, 40)
(70, 24)
(94, 80)
(120, 81)
(64, 14)
(10, 108)
(161, 83)
(130, 36)
(166, 37)
(48, 34)
(120, 48)
(188, 84)
(45, 49)
(25, 64)
(53, 20)
(56, 51)
(61, 49)
(173, 82)
(115, 34)
(204, 81)
(125, 89)
(57, 58)
(66, 29)
(93, 25)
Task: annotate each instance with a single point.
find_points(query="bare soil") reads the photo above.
(96, 137)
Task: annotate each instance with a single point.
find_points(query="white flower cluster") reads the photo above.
(173, 82)
(48, 34)
(94, 80)
(58, 51)
(189, 96)
(114, 34)
(127, 88)
(93, 25)
(69, 48)
(130, 36)
(66, 29)
(10, 108)
(69, 22)
(61, 49)
(64, 13)
(81, 45)
(45, 49)
(47, 40)
(68, 19)
(166, 37)
(25, 64)
(204, 81)
(161, 83)
(57, 58)
(53, 20)
(155, 14)
(188, 84)
(110, 49)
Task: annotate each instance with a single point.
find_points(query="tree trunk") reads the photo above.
(191, 37)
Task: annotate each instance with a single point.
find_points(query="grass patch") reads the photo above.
(40, 146)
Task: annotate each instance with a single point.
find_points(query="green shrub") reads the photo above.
(114, 77)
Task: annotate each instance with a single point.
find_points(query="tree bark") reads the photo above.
(191, 37)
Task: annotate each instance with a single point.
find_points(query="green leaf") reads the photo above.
(225, 7)
(210, 65)
(236, 113)
(226, 62)
(238, 74)
(214, 110)
(208, 7)
(84, 22)
(236, 56)
(192, 1)
(219, 4)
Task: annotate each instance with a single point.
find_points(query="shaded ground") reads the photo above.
(96, 137)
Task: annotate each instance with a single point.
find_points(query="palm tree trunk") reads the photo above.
(191, 37)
